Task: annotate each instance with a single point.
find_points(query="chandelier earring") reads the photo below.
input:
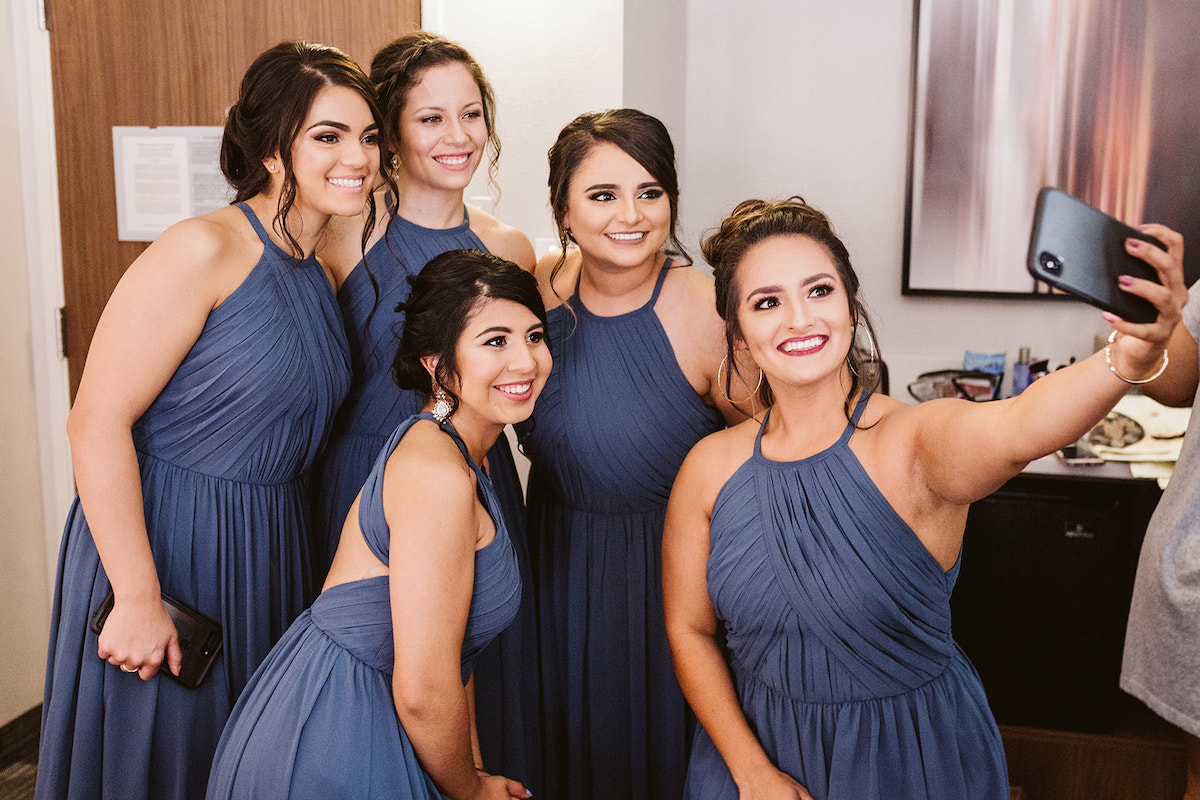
(721, 384)
(441, 406)
(394, 163)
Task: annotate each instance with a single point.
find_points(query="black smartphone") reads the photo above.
(199, 638)
(1081, 250)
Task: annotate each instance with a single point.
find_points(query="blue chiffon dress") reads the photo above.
(506, 681)
(607, 437)
(837, 620)
(318, 719)
(222, 453)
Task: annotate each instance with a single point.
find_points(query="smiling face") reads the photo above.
(442, 129)
(502, 362)
(793, 311)
(617, 212)
(335, 156)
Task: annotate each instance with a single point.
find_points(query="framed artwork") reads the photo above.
(1099, 98)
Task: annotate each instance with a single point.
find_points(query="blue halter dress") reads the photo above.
(318, 720)
(506, 681)
(837, 621)
(607, 436)
(222, 452)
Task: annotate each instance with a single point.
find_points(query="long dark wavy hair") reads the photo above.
(276, 94)
(754, 221)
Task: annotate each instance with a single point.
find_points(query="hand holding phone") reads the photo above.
(199, 638)
(1081, 250)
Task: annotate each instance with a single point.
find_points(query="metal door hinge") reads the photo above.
(60, 330)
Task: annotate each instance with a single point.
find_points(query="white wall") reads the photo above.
(765, 98)
(810, 97)
(24, 594)
(548, 61)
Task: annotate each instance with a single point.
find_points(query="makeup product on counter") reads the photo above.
(1022, 376)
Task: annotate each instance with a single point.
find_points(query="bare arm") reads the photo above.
(692, 629)
(434, 533)
(502, 240)
(153, 318)
(964, 450)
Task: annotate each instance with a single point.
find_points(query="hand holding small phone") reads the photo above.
(1081, 250)
(199, 638)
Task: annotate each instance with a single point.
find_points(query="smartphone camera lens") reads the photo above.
(1050, 262)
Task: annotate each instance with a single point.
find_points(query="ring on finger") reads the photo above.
(128, 669)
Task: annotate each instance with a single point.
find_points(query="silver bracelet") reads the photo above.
(1112, 338)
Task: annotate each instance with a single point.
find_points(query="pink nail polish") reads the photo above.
(1124, 280)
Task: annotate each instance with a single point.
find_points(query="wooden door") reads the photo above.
(163, 62)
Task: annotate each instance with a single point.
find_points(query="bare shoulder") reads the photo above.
(207, 256)
(427, 477)
(502, 239)
(890, 422)
(888, 441)
(428, 454)
(690, 295)
(714, 459)
(563, 285)
(687, 309)
(882, 408)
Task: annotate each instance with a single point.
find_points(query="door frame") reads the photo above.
(43, 258)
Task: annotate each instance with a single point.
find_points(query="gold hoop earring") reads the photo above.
(725, 394)
(872, 358)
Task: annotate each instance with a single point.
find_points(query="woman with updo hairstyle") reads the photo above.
(439, 114)
(637, 347)
(809, 556)
(368, 694)
(209, 389)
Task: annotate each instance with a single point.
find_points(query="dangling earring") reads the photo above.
(395, 162)
(721, 384)
(570, 236)
(441, 406)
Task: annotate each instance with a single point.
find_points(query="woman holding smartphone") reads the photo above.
(809, 558)
(209, 389)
